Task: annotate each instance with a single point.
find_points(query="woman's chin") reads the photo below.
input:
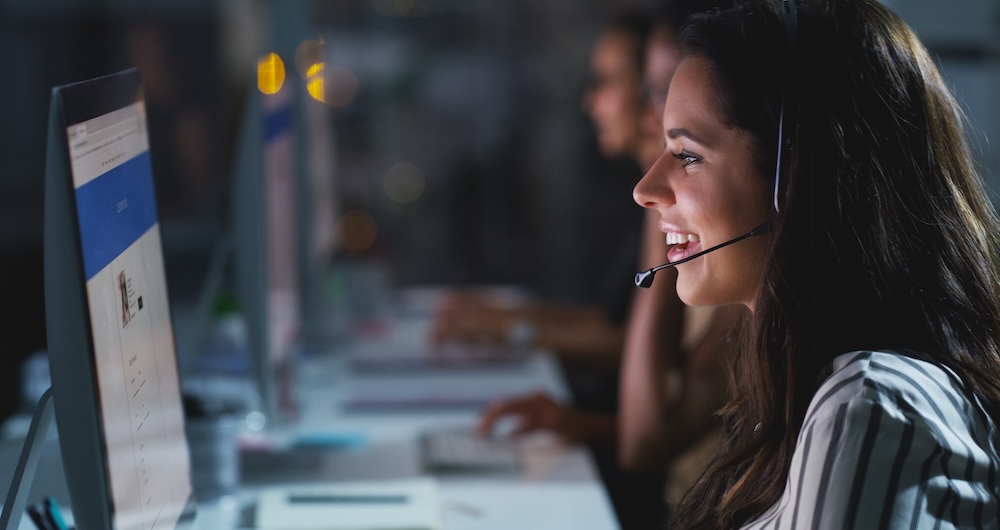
(688, 292)
(693, 287)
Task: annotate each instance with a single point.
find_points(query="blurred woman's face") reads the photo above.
(614, 98)
(707, 191)
(662, 56)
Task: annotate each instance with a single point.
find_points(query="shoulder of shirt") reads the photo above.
(894, 380)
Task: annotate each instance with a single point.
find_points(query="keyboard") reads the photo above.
(463, 450)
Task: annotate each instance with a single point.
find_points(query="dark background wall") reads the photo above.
(482, 96)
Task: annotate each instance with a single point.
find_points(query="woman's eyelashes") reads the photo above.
(686, 158)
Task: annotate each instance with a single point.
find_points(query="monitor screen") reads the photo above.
(114, 368)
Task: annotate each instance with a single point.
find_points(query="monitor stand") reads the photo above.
(24, 473)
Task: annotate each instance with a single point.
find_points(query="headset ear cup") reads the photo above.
(790, 19)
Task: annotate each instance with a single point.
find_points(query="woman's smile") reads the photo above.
(681, 245)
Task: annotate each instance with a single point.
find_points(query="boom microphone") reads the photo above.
(645, 278)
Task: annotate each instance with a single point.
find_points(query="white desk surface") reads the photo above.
(558, 487)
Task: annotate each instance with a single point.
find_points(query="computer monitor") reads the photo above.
(111, 345)
(322, 327)
(265, 233)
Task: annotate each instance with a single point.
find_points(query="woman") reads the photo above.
(866, 391)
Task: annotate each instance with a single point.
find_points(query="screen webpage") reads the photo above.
(146, 450)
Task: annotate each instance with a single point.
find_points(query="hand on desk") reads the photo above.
(539, 412)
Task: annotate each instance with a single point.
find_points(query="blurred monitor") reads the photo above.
(318, 213)
(265, 230)
(111, 344)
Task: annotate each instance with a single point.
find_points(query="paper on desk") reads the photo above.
(404, 504)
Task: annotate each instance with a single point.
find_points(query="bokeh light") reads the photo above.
(314, 70)
(356, 231)
(316, 82)
(341, 86)
(270, 73)
(307, 55)
(404, 182)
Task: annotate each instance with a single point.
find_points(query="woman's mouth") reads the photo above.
(681, 245)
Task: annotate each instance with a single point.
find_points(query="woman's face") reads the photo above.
(707, 191)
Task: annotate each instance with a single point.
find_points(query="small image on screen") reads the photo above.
(123, 294)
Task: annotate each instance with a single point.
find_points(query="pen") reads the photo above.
(38, 518)
(55, 514)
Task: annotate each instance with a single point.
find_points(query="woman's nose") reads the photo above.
(654, 188)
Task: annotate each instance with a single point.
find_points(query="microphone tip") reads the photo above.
(644, 279)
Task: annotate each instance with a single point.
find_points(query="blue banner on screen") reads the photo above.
(277, 122)
(115, 210)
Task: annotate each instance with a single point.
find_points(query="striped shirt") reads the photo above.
(890, 441)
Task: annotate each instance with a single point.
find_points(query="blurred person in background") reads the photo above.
(587, 339)
(672, 378)
(588, 334)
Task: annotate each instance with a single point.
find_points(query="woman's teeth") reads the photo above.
(674, 238)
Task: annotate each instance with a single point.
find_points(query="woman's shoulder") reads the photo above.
(902, 384)
(887, 371)
(891, 440)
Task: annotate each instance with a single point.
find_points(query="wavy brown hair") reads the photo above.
(886, 238)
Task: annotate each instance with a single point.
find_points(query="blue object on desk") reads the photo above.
(55, 514)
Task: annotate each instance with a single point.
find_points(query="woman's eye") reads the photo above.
(686, 158)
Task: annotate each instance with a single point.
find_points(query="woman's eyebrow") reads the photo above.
(678, 132)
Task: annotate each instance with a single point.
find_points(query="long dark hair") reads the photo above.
(885, 240)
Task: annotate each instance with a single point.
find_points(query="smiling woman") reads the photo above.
(864, 394)
(707, 191)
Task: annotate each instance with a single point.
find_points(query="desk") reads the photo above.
(558, 487)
